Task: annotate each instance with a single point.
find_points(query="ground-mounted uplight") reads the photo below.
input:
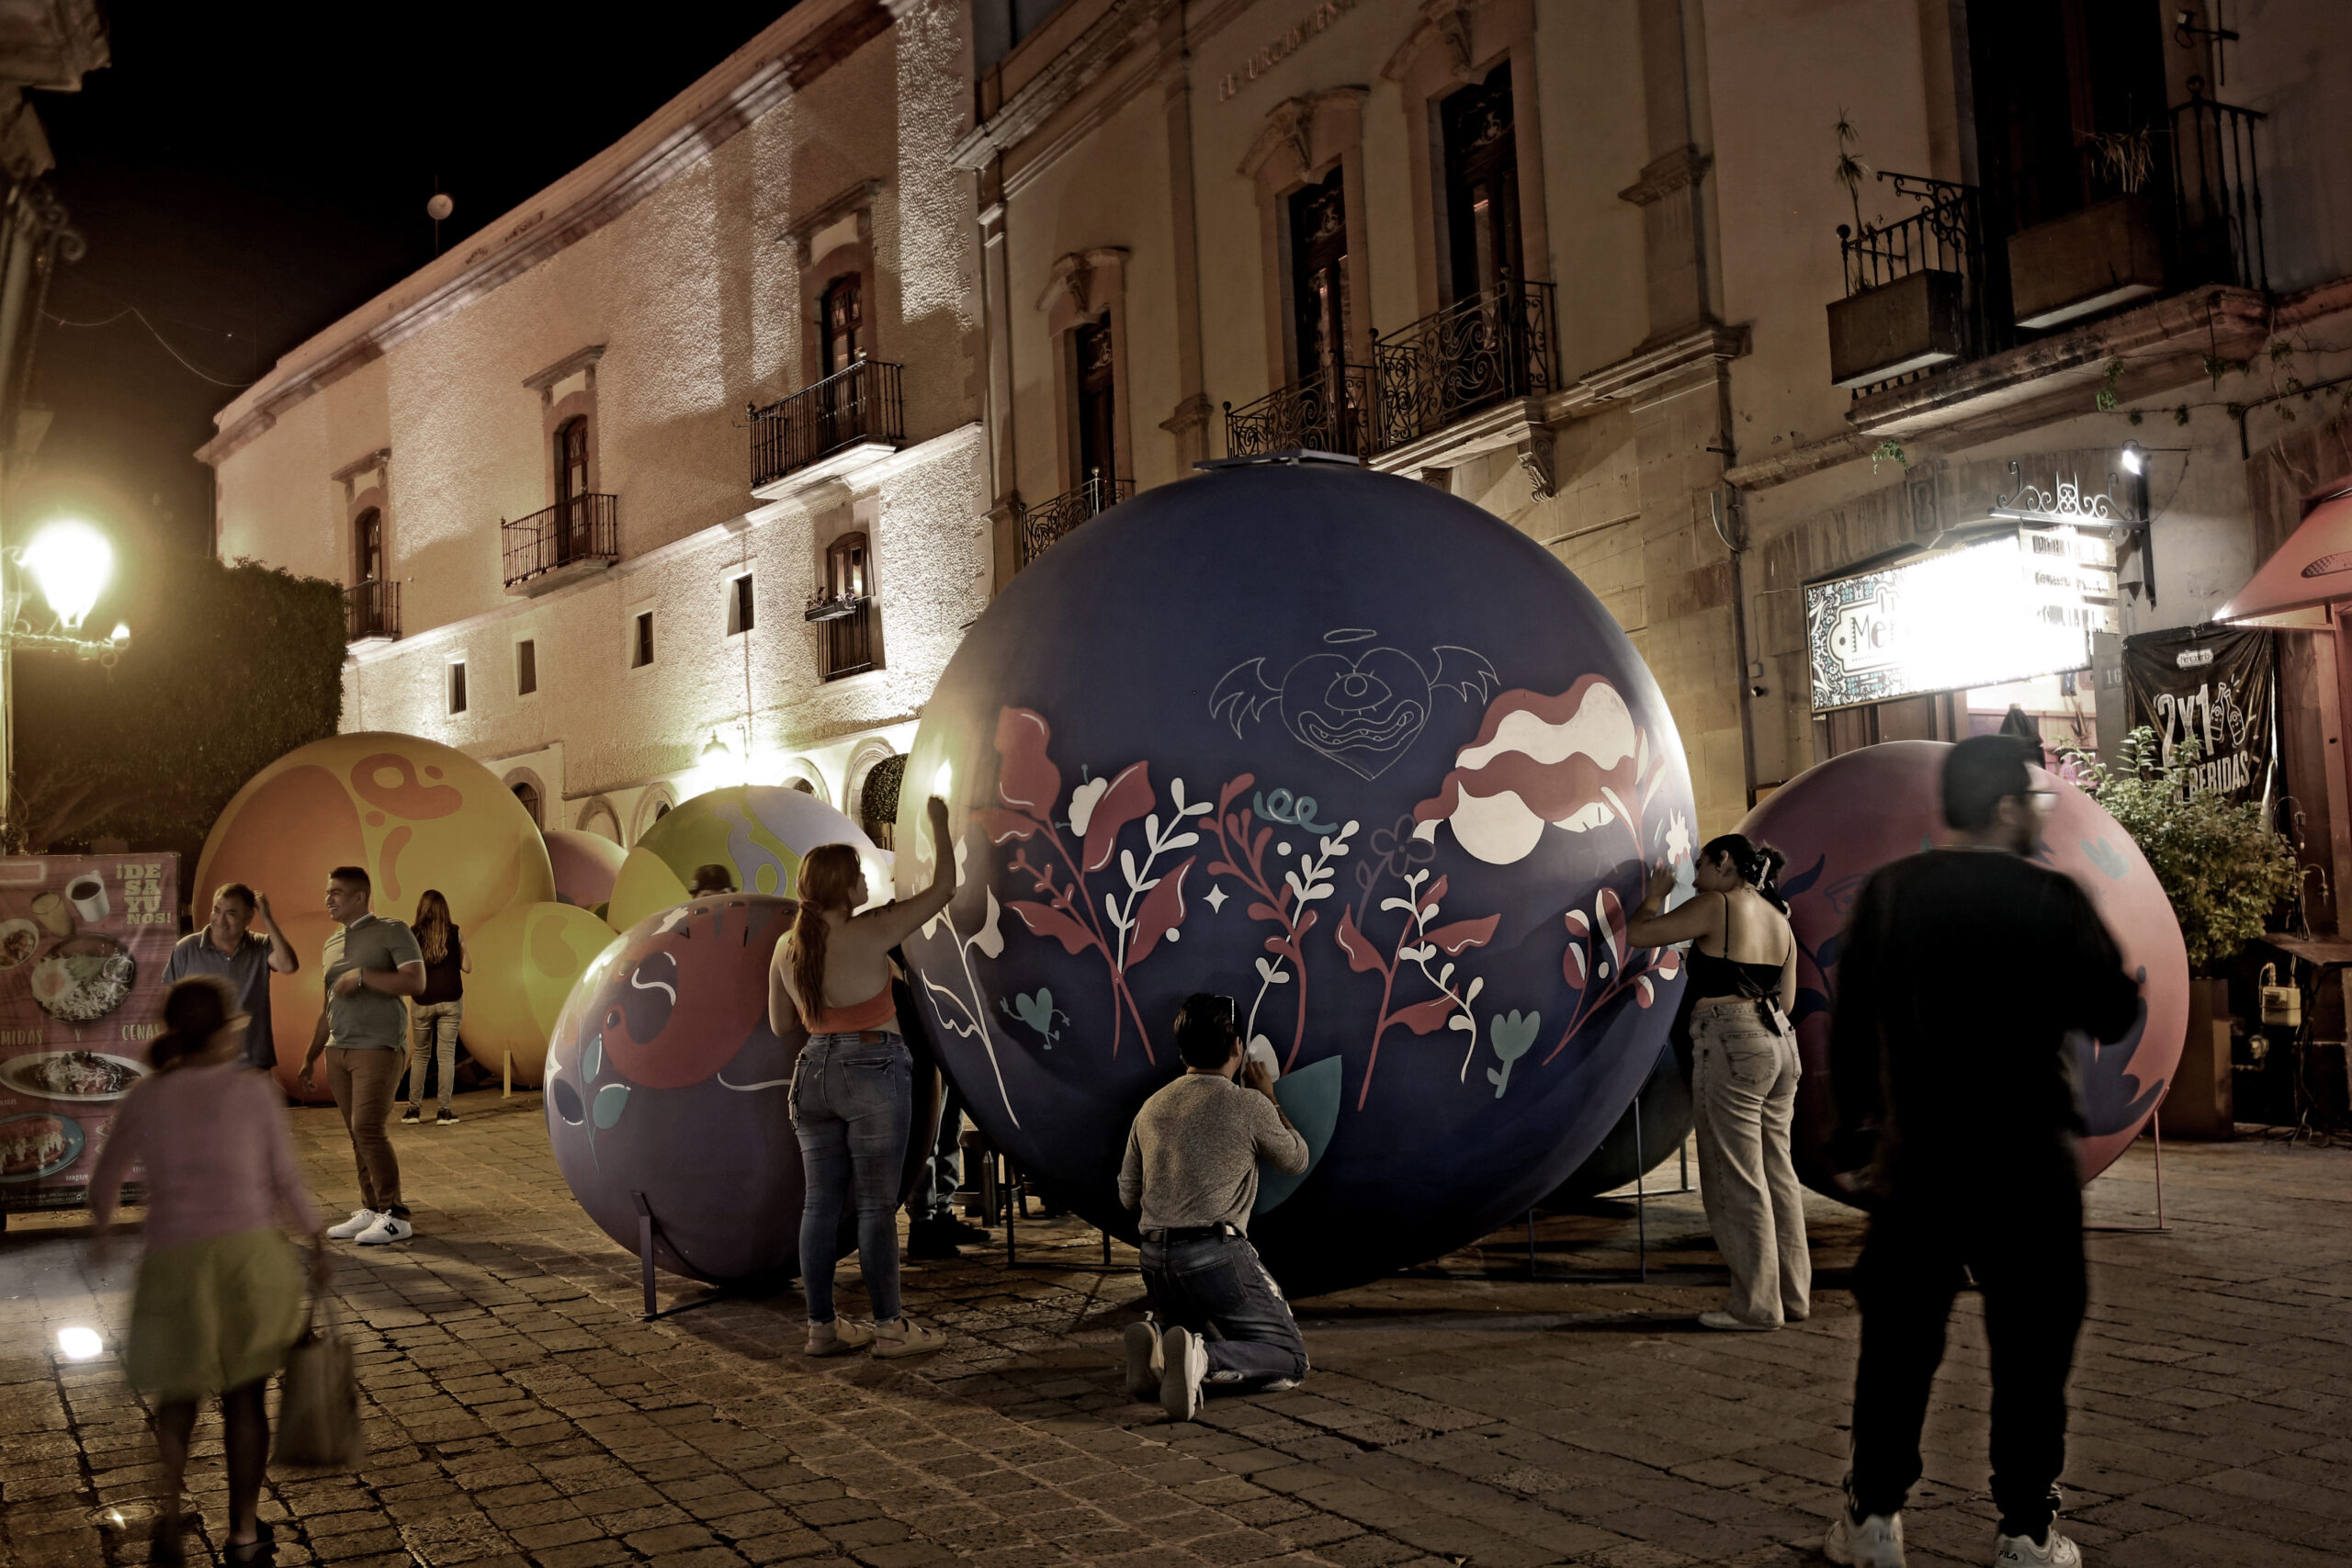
(73, 563)
(76, 1342)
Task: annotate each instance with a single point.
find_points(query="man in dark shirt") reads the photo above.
(1964, 971)
(229, 947)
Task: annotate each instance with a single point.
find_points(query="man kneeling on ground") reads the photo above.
(1192, 1168)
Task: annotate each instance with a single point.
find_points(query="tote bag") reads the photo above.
(318, 1413)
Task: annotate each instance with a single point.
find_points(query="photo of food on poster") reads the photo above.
(84, 940)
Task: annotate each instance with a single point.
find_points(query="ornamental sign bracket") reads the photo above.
(2064, 505)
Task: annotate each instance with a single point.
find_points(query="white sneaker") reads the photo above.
(2020, 1551)
(1144, 1360)
(361, 1220)
(1876, 1542)
(388, 1227)
(1184, 1366)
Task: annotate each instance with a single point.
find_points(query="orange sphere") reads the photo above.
(413, 812)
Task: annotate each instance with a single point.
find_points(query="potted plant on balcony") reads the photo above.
(2103, 255)
(826, 605)
(2225, 869)
(1900, 313)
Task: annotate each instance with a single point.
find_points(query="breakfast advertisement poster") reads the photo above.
(84, 940)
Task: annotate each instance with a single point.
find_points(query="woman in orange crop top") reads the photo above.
(853, 1086)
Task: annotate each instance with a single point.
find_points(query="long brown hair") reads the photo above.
(827, 875)
(195, 1009)
(433, 925)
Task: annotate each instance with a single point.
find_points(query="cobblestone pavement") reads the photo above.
(518, 1412)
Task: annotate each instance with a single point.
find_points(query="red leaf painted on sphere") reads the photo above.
(1129, 798)
(1044, 920)
(1003, 827)
(1669, 963)
(1363, 957)
(1163, 913)
(1432, 893)
(1452, 940)
(1644, 992)
(1612, 922)
(1028, 782)
(1580, 924)
(1575, 965)
(1425, 1018)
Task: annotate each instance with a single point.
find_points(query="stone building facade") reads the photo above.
(586, 475)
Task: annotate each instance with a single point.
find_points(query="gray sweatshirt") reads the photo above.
(1193, 1154)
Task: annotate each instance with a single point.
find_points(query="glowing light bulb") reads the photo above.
(72, 561)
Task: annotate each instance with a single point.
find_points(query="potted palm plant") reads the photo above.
(2103, 253)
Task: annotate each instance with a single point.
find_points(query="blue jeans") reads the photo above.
(1218, 1288)
(935, 1183)
(851, 1099)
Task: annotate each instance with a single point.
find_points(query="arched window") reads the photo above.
(878, 803)
(847, 641)
(528, 795)
(367, 547)
(571, 517)
(803, 785)
(841, 322)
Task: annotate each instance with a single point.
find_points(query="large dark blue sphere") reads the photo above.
(1353, 752)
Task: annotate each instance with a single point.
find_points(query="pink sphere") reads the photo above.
(1841, 821)
(585, 865)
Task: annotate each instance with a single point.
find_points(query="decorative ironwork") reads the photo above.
(583, 528)
(2066, 504)
(858, 404)
(371, 610)
(1944, 233)
(825, 606)
(2217, 193)
(1330, 411)
(1489, 347)
(1043, 525)
(846, 642)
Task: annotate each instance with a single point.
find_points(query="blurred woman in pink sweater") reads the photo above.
(219, 1294)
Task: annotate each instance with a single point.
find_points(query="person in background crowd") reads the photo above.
(1192, 1168)
(933, 1230)
(709, 879)
(229, 947)
(1744, 1073)
(371, 964)
(218, 1300)
(435, 1015)
(853, 1088)
(1962, 971)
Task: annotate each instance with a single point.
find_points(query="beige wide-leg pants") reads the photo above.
(1744, 1098)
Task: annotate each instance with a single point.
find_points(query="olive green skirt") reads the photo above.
(214, 1315)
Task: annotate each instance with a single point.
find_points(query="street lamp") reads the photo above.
(72, 562)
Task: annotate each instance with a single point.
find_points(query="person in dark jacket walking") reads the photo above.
(1964, 970)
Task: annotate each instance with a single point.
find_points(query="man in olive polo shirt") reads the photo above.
(372, 964)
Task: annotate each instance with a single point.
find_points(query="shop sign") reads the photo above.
(2218, 689)
(2004, 608)
(84, 940)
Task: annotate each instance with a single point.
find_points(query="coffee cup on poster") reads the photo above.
(88, 894)
(50, 910)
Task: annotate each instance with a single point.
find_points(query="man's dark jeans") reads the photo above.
(1218, 1288)
(2021, 1234)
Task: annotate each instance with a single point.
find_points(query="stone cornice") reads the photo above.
(859, 198)
(1652, 365)
(1292, 122)
(358, 466)
(564, 369)
(795, 49)
(1120, 28)
(1443, 23)
(1677, 170)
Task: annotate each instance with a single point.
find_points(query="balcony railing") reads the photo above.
(583, 528)
(1937, 251)
(861, 403)
(2217, 195)
(845, 643)
(1330, 411)
(371, 610)
(1041, 525)
(1485, 350)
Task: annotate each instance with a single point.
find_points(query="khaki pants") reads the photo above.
(434, 1036)
(1744, 1098)
(362, 1080)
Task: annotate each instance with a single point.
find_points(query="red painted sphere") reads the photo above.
(1841, 821)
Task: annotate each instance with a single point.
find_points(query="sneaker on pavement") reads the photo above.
(966, 1234)
(412, 1116)
(361, 1220)
(1728, 1322)
(388, 1227)
(2024, 1551)
(905, 1337)
(1872, 1542)
(1144, 1361)
(838, 1337)
(444, 1119)
(1184, 1366)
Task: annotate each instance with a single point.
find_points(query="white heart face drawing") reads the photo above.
(1362, 713)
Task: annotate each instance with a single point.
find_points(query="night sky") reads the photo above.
(243, 183)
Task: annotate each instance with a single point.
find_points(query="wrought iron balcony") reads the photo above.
(371, 611)
(1330, 411)
(1921, 289)
(850, 407)
(1043, 525)
(1485, 350)
(583, 529)
(845, 643)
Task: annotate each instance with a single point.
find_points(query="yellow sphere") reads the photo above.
(525, 963)
(413, 812)
(758, 833)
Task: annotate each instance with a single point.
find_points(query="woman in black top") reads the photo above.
(433, 1017)
(1745, 1070)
